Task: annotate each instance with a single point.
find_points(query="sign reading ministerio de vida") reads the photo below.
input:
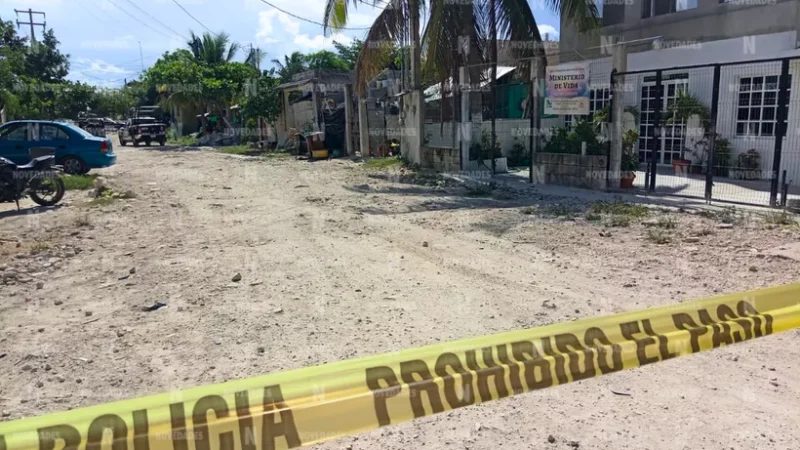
(567, 89)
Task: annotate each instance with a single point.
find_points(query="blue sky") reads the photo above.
(103, 38)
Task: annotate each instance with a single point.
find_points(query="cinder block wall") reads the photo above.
(587, 172)
(441, 159)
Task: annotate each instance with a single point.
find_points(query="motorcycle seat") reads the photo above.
(34, 162)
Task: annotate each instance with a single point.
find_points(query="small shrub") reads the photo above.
(658, 236)
(705, 231)
(618, 221)
(40, 246)
(383, 163)
(479, 190)
(593, 216)
(729, 215)
(558, 211)
(83, 221)
(528, 210)
(620, 208)
(78, 182)
(779, 218)
(667, 223)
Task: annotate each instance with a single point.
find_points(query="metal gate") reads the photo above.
(716, 131)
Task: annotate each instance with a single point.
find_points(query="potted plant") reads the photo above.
(722, 156)
(630, 160)
(678, 111)
(748, 165)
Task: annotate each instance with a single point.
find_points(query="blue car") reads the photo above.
(75, 149)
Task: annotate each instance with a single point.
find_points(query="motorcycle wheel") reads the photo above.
(47, 192)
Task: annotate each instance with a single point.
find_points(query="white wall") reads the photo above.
(749, 48)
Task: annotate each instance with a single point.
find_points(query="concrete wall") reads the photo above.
(413, 111)
(441, 159)
(508, 132)
(570, 170)
(709, 21)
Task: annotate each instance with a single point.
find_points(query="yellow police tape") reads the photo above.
(315, 404)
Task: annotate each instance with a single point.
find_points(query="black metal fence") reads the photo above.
(727, 132)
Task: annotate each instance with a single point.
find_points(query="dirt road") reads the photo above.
(339, 261)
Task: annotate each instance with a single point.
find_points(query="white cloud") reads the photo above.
(319, 41)
(118, 43)
(548, 29)
(98, 67)
(266, 26)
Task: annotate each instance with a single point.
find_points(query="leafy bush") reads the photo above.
(658, 236)
(618, 221)
(749, 160)
(570, 141)
(620, 208)
(518, 155)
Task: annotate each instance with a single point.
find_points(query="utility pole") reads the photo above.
(141, 55)
(30, 21)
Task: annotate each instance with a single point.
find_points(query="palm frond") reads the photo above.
(391, 28)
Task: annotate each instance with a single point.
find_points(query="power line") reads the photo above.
(193, 17)
(309, 20)
(30, 22)
(158, 21)
(138, 20)
(101, 20)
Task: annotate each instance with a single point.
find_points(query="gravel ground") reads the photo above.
(338, 260)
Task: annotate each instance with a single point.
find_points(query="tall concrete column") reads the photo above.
(314, 100)
(363, 128)
(619, 60)
(348, 117)
(465, 127)
(537, 88)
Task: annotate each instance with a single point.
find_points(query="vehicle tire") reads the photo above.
(135, 143)
(122, 142)
(74, 165)
(162, 142)
(147, 143)
(52, 187)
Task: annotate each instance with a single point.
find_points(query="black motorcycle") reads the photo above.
(39, 179)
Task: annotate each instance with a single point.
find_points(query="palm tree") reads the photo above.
(292, 64)
(473, 26)
(398, 23)
(254, 57)
(212, 48)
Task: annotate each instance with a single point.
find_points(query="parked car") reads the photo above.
(143, 129)
(75, 149)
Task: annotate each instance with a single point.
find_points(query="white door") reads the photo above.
(672, 138)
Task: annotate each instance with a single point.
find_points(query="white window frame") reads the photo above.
(595, 104)
(755, 127)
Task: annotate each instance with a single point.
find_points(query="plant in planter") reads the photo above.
(518, 156)
(680, 110)
(722, 156)
(748, 165)
(630, 160)
(564, 141)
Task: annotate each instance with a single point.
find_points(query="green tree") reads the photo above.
(212, 48)
(349, 53)
(325, 59)
(262, 98)
(113, 102)
(44, 62)
(291, 65)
